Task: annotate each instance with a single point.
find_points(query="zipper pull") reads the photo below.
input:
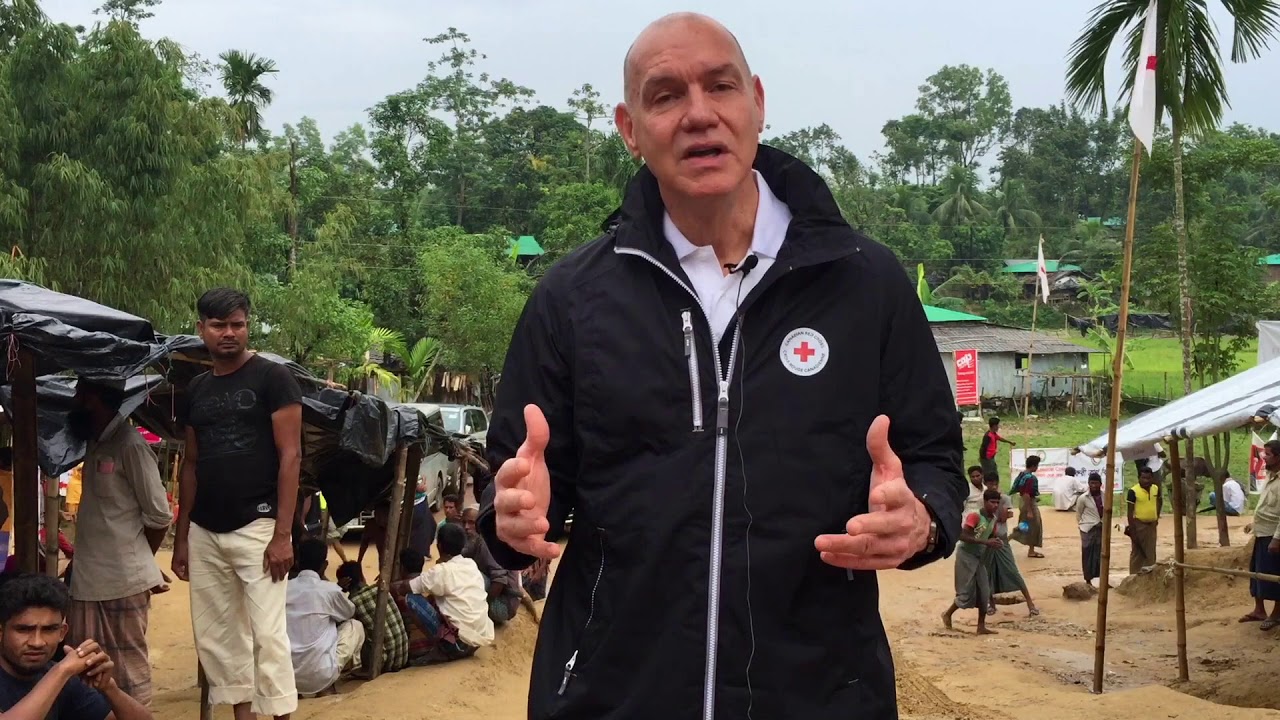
(722, 408)
(686, 320)
(568, 673)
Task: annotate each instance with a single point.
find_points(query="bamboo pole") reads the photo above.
(1117, 384)
(1247, 574)
(1179, 582)
(1028, 381)
(388, 560)
(26, 463)
(51, 508)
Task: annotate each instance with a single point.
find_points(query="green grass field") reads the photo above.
(1157, 365)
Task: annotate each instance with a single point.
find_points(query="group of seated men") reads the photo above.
(442, 613)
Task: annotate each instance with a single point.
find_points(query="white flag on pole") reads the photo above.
(1042, 272)
(1142, 104)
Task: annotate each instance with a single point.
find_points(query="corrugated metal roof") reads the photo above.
(984, 337)
(1029, 266)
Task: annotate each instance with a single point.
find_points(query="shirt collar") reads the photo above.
(309, 574)
(772, 219)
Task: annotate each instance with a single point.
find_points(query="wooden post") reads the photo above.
(26, 464)
(1113, 426)
(1179, 583)
(51, 508)
(1029, 380)
(388, 565)
(413, 466)
(206, 709)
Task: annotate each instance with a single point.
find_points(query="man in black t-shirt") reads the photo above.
(236, 510)
(81, 686)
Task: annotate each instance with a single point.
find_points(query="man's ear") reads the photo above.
(62, 631)
(626, 128)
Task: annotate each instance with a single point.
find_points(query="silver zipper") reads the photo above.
(691, 354)
(717, 497)
(591, 613)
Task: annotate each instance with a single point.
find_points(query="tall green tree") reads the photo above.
(243, 77)
(1189, 84)
(587, 107)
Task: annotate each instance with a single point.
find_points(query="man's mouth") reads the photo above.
(709, 150)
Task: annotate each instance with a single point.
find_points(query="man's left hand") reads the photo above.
(897, 524)
(278, 558)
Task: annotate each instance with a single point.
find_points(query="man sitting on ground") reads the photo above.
(395, 645)
(82, 686)
(1232, 498)
(504, 585)
(449, 601)
(324, 637)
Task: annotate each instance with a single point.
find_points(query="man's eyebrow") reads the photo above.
(664, 78)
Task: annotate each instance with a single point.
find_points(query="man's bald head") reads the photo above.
(657, 33)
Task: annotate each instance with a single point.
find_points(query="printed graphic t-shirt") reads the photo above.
(237, 463)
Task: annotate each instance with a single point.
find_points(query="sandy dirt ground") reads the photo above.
(1035, 667)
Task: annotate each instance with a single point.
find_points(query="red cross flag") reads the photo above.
(1142, 103)
(1042, 272)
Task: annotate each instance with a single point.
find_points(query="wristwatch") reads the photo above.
(932, 543)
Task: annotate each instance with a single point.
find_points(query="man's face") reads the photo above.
(1146, 478)
(992, 484)
(694, 113)
(469, 522)
(975, 477)
(1270, 459)
(450, 511)
(31, 637)
(226, 337)
(991, 506)
(1095, 487)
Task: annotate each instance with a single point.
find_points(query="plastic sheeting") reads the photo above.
(1268, 341)
(1222, 406)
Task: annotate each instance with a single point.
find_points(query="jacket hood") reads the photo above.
(797, 185)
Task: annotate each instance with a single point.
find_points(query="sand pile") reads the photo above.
(1202, 589)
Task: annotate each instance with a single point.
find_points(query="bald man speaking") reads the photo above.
(739, 399)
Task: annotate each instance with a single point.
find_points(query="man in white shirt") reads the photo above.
(449, 601)
(1089, 519)
(324, 636)
(1232, 498)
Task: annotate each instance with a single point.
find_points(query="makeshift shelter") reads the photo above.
(1243, 399)
(1268, 341)
(1226, 405)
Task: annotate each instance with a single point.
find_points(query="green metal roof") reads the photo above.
(941, 315)
(525, 245)
(1052, 266)
(1270, 260)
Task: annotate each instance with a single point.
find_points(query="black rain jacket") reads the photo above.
(650, 459)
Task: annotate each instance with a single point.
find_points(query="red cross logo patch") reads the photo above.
(804, 352)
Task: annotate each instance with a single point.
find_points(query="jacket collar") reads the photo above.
(818, 231)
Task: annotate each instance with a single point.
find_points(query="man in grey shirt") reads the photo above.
(124, 514)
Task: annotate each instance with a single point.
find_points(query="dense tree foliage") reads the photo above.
(138, 176)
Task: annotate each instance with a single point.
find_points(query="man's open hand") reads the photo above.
(895, 528)
(523, 492)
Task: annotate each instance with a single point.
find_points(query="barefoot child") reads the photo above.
(1002, 568)
(973, 586)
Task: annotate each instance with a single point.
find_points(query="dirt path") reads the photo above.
(1043, 663)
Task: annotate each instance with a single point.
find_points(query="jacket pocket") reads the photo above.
(592, 629)
(691, 358)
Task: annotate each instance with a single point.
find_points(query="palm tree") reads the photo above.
(1014, 210)
(961, 206)
(1189, 84)
(242, 75)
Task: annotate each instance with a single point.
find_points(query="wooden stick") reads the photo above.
(26, 463)
(1113, 425)
(51, 508)
(1179, 582)
(1028, 380)
(1264, 577)
(388, 565)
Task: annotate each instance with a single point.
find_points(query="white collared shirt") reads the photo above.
(720, 294)
(462, 593)
(313, 609)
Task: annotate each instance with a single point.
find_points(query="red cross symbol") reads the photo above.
(1151, 62)
(804, 352)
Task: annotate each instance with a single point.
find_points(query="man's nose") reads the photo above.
(700, 112)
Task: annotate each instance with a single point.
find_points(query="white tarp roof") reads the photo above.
(1268, 341)
(1223, 406)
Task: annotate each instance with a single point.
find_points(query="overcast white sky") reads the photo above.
(853, 64)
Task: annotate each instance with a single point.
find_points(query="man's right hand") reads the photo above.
(523, 493)
(180, 565)
(87, 659)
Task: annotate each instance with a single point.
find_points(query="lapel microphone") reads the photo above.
(745, 267)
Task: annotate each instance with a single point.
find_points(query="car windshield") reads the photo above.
(452, 419)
